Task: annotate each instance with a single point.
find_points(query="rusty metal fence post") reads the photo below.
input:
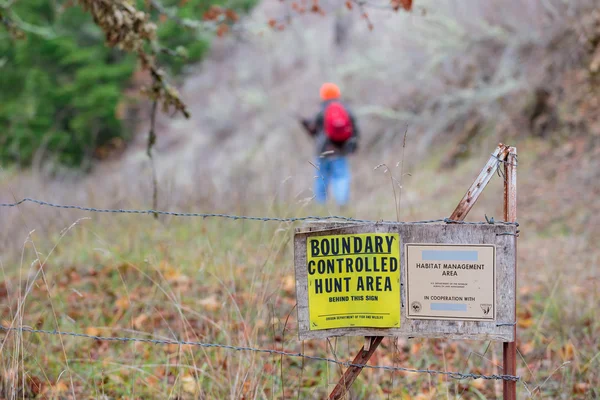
(510, 215)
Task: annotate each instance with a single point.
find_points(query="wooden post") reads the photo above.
(352, 372)
(469, 199)
(510, 215)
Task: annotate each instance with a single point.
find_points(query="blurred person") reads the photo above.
(336, 135)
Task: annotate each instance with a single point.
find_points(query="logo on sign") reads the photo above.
(486, 308)
(416, 306)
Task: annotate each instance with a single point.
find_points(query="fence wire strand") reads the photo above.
(243, 217)
(450, 374)
(454, 375)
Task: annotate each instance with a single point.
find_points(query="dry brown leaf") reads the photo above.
(172, 275)
(116, 378)
(247, 388)
(59, 387)
(426, 396)
(595, 64)
(525, 290)
(289, 284)
(268, 368)
(581, 387)
(210, 303)
(152, 381)
(526, 348)
(576, 289)
(525, 323)
(414, 349)
(90, 330)
(525, 318)
(139, 321)
(478, 384)
(567, 352)
(122, 303)
(189, 385)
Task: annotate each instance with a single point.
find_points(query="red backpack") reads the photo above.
(337, 123)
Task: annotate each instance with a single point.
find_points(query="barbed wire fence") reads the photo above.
(247, 217)
(450, 374)
(454, 375)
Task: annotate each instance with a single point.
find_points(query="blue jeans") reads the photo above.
(334, 171)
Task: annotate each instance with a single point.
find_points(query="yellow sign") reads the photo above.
(354, 281)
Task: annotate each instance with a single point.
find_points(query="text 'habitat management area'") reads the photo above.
(354, 281)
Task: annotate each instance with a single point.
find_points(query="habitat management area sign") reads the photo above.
(456, 282)
(353, 280)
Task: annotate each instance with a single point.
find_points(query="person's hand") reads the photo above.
(307, 125)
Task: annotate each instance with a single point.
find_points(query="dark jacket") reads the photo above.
(324, 146)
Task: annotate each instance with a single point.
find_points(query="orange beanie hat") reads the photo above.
(330, 91)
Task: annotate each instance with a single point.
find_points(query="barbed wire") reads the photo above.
(454, 375)
(451, 374)
(245, 217)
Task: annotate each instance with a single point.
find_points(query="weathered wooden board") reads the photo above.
(501, 329)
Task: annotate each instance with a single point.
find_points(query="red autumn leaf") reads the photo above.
(222, 29)
(272, 23)
(232, 15)
(581, 388)
(405, 4)
(349, 5)
(212, 13)
(35, 384)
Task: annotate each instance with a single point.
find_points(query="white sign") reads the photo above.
(451, 282)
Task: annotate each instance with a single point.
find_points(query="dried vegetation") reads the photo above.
(460, 77)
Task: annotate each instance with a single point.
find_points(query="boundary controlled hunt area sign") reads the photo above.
(447, 281)
(353, 280)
